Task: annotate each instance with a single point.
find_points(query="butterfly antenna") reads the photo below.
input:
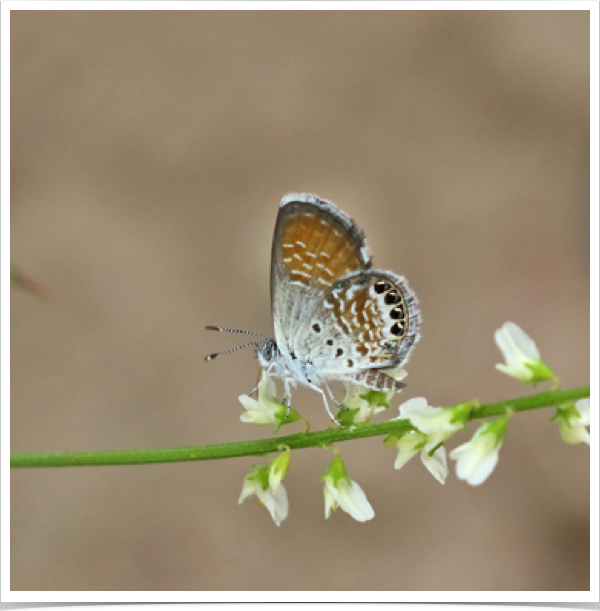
(212, 357)
(225, 329)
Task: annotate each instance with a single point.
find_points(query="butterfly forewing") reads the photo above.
(314, 246)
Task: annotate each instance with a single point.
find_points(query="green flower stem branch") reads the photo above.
(293, 442)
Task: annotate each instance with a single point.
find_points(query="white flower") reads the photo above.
(278, 469)
(265, 483)
(435, 425)
(436, 463)
(521, 355)
(266, 409)
(274, 500)
(408, 445)
(353, 400)
(375, 401)
(378, 400)
(350, 497)
(573, 421)
(438, 423)
(477, 458)
(413, 442)
(341, 491)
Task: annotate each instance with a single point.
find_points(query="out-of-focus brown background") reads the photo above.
(149, 154)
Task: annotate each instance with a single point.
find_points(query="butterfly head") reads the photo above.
(267, 352)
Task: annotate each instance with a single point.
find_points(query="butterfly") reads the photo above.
(334, 317)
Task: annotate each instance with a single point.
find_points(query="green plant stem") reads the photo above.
(294, 442)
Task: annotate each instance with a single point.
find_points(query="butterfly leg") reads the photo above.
(287, 395)
(320, 390)
(339, 405)
(253, 391)
(258, 379)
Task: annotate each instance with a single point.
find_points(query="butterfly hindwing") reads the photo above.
(366, 320)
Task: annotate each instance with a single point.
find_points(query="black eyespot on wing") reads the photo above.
(392, 297)
(397, 328)
(329, 342)
(350, 363)
(381, 286)
(339, 352)
(317, 327)
(397, 312)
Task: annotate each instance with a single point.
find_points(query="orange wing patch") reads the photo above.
(316, 252)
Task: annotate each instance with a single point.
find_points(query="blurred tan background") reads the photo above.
(149, 154)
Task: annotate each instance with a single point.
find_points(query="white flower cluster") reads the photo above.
(475, 459)
(339, 490)
(431, 428)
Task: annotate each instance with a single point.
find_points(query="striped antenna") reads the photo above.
(212, 357)
(213, 328)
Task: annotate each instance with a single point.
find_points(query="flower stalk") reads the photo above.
(297, 441)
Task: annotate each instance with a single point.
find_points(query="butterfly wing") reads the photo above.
(314, 245)
(366, 321)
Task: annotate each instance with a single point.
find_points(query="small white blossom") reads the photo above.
(275, 501)
(278, 469)
(341, 491)
(435, 425)
(438, 423)
(573, 420)
(477, 458)
(436, 463)
(265, 409)
(354, 398)
(408, 445)
(265, 483)
(413, 442)
(350, 497)
(521, 355)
